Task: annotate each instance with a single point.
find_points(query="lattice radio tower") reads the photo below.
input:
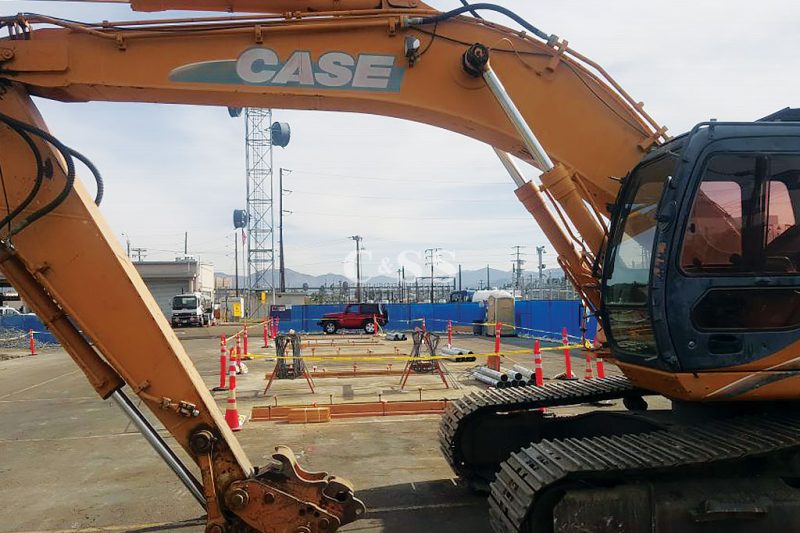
(261, 217)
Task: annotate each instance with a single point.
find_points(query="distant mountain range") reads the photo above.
(470, 279)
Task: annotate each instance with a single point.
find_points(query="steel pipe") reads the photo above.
(161, 447)
(527, 373)
(513, 375)
(486, 379)
(455, 351)
(494, 374)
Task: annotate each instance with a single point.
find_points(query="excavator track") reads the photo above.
(518, 494)
(494, 402)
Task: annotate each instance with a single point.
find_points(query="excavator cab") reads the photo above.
(703, 264)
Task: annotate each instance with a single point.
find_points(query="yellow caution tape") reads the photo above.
(367, 357)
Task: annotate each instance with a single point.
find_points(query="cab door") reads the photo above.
(733, 290)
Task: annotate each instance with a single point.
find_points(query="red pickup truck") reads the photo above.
(355, 316)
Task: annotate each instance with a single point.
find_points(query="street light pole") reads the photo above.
(236, 261)
(540, 251)
(358, 239)
(282, 265)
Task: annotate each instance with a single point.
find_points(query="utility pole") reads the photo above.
(185, 243)
(128, 244)
(403, 289)
(399, 285)
(139, 252)
(540, 251)
(518, 262)
(249, 279)
(282, 266)
(487, 277)
(358, 239)
(459, 277)
(432, 258)
(236, 261)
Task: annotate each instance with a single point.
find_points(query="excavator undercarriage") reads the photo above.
(637, 471)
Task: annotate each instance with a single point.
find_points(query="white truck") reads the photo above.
(192, 309)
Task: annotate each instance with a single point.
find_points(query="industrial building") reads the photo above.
(165, 279)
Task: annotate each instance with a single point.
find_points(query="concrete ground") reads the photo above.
(71, 462)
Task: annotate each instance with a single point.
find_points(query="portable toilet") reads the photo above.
(500, 308)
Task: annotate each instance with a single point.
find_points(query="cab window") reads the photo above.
(744, 217)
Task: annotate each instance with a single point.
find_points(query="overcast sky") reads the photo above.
(404, 186)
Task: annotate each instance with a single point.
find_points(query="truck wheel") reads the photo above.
(369, 327)
(329, 327)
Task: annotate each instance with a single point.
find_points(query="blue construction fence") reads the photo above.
(25, 323)
(540, 318)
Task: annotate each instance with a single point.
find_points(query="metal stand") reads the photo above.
(419, 365)
(284, 369)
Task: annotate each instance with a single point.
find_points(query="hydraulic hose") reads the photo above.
(67, 153)
(474, 8)
(98, 197)
(37, 182)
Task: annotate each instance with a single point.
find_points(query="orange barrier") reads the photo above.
(308, 415)
(244, 339)
(354, 410)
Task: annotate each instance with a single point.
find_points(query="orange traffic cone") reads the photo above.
(601, 367)
(588, 374)
(232, 410)
(31, 342)
(537, 364)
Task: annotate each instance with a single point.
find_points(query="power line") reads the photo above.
(393, 197)
(139, 252)
(394, 179)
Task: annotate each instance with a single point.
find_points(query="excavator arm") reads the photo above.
(389, 57)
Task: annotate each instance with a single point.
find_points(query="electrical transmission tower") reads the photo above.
(260, 270)
(432, 259)
(518, 262)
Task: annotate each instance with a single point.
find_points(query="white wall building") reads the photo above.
(166, 279)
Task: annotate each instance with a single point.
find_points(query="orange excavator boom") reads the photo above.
(392, 58)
